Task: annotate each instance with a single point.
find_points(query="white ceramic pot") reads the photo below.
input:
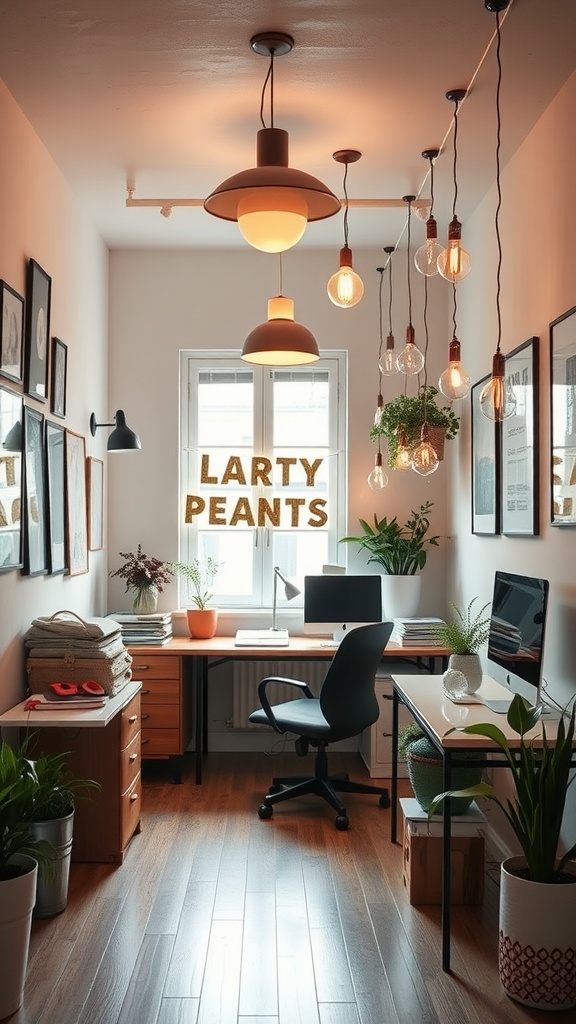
(146, 601)
(471, 668)
(537, 939)
(400, 596)
(17, 897)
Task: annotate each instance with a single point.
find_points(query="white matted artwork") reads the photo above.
(77, 522)
(95, 496)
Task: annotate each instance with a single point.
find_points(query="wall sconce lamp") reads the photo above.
(290, 591)
(122, 439)
(272, 202)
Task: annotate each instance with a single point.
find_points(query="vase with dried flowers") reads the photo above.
(145, 577)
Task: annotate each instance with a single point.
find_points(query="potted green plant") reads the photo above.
(405, 415)
(202, 620)
(145, 577)
(537, 889)
(21, 857)
(400, 551)
(51, 818)
(464, 636)
(425, 770)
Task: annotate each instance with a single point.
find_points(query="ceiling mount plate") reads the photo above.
(430, 154)
(268, 43)
(496, 6)
(389, 249)
(456, 95)
(346, 156)
(408, 199)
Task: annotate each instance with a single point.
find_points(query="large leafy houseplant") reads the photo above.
(407, 414)
(541, 778)
(55, 787)
(399, 550)
(17, 792)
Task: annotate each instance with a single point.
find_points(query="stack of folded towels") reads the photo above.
(66, 648)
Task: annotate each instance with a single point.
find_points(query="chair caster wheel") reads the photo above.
(265, 812)
(275, 789)
(342, 822)
(384, 800)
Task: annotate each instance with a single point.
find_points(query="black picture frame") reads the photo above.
(58, 378)
(36, 348)
(12, 333)
(55, 497)
(76, 512)
(485, 440)
(34, 503)
(563, 419)
(11, 473)
(519, 436)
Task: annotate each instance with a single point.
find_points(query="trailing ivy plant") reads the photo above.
(407, 413)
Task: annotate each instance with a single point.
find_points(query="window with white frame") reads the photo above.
(263, 470)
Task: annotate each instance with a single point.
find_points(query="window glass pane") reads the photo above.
(225, 398)
(301, 408)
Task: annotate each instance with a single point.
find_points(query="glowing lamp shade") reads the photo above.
(272, 202)
(345, 288)
(280, 341)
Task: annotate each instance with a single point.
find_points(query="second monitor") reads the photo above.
(335, 604)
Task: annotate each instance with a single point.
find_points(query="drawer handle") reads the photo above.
(143, 741)
(144, 717)
(132, 719)
(133, 757)
(144, 693)
(133, 797)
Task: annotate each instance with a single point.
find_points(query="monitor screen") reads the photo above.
(517, 624)
(334, 604)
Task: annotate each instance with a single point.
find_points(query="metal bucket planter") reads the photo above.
(52, 891)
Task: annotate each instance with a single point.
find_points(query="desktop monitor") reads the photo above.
(335, 604)
(517, 626)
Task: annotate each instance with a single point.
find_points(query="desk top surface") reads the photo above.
(88, 719)
(424, 694)
(298, 647)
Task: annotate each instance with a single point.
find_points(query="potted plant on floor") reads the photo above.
(402, 419)
(202, 620)
(538, 889)
(21, 857)
(464, 636)
(401, 551)
(50, 817)
(145, 577)
(425, 770)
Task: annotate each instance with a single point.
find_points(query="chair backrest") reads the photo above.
(347, 698)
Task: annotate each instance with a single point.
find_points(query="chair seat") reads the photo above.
(301, 716)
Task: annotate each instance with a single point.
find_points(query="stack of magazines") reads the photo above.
(418, 631)
(144, 629)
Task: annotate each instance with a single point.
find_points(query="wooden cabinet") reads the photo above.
(105, 822)
(376, 742)
(166, 719)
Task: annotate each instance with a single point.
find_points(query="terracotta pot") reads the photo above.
(537, 939)
(202, 622)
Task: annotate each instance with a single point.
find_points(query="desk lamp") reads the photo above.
(290, 590)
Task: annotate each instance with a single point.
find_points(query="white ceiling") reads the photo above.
(165, 94)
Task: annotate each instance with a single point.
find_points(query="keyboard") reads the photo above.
(261, 638)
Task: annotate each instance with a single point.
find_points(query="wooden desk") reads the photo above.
(199, 656)
(104, 745)
(436, 714)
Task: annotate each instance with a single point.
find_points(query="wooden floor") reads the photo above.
(216, 917)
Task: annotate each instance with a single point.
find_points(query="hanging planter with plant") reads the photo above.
(405, 415)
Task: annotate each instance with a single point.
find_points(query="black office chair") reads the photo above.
(347, 704)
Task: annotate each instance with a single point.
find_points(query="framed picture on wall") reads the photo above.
(76, 515)
(11, 440)
(56, 507)
(34, 518)
(563, 419)
(36, 355)
(519, 440)
(58, 381)
(12, 327)
(485, 467)
(95, 494)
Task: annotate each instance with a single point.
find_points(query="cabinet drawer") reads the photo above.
(160, 691)
(129, 763)
(160, 742)
(129, 721)
(130, 810)
(161, 716)
(155, 666)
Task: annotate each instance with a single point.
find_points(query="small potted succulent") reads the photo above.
(202, 620)
(145, 577)
(464, 636)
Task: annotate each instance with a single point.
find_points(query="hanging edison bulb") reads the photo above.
(345, 287)
(377, 479)
(379, 410)
(454, 262)
(387, 362)
(497, 399)
(454, 382)
(403, 458)
(426, 257)
(424, 458)
(411, 359)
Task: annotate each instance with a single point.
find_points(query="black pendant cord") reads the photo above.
(345, 204)
(269, 78)
(426, 339)
(390, 331)
(454, 308)
(431, 214)
(455, 163)
(280, 272)
(381, 341)
(498, 187)
(408, 268)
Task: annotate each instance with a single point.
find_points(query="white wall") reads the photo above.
(41, 219)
